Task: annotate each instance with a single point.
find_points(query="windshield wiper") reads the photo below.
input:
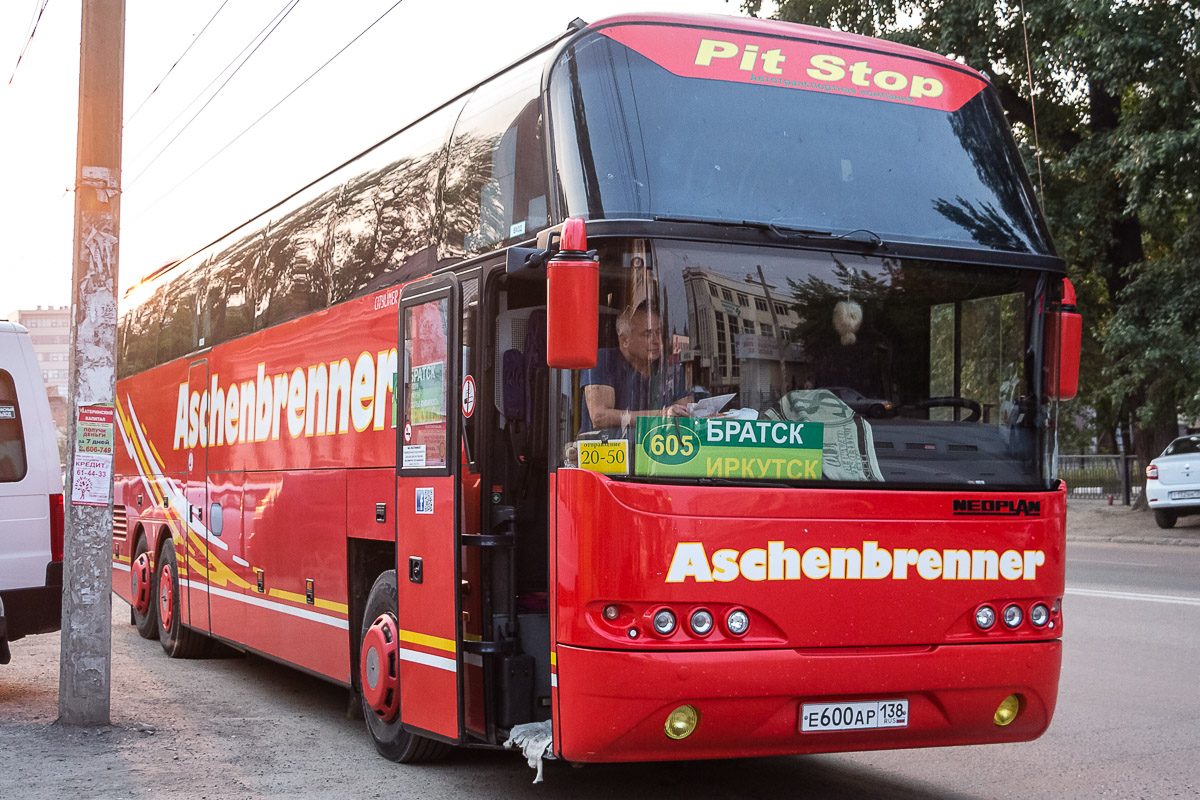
(867, 238)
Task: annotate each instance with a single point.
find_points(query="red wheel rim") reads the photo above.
(140, 576)
(166, 597)
(379, 668)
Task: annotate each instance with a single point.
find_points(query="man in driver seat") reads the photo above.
(629, 380)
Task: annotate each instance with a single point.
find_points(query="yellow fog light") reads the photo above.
(681, 722)
(1007, 711)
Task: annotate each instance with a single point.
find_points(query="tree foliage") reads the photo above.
(1116, 103)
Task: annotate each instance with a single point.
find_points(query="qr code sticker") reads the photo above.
(425, 501)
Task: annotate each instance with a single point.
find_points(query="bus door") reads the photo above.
(427, 503)
(192, 555)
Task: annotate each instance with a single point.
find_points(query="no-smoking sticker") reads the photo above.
(408, 432)
(468, 396)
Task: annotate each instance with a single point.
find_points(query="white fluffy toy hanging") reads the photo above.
(847, 319)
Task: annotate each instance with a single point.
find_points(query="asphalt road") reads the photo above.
(1127, 724)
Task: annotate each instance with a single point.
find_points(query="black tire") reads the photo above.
(390, 739)
(1164, 518)
(146, 624)
(178, 640)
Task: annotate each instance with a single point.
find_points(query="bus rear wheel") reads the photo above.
(177, 640)
(142, 589)
(379, 676)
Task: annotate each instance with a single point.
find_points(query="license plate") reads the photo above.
(1190, 495)
(855, 716)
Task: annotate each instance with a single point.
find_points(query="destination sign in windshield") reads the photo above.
(729, 448)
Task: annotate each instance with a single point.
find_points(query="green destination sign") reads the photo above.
(729, 448)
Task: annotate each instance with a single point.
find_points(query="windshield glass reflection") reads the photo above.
(903, 371)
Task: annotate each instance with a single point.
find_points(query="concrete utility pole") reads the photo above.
(84, 680)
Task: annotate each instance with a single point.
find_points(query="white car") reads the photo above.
(31, 500)
(1173, 481)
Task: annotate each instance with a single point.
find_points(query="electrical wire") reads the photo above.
(290, 7)
(28, 41)
(166, 128)
(264, 115)
(1033, 112)
(195, 39)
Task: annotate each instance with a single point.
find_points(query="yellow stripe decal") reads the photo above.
(435, 642)
(328, 605)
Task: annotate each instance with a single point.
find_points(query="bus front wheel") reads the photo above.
(379, 675)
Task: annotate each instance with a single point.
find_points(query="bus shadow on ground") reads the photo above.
(814, 777)
(488, 773)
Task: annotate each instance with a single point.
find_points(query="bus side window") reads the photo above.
(496, 178)
(230, 300)
(378, 228)
(141, 321)
(179, 332)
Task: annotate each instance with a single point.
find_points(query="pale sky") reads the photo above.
(422, 53)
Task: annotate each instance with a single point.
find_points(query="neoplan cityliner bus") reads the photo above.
(416, 431)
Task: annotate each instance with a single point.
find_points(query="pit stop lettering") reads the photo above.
(821, 67)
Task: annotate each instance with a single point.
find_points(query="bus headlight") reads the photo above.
(985, 617)
(664, 622)
(738, 622)
(1013, 615)
(702, 622)
(1039, 615)
(681, 722)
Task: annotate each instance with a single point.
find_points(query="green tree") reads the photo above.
(1116, 102)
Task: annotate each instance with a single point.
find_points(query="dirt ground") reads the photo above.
(243, 727)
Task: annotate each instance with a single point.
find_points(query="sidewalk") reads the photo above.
(1097, 521)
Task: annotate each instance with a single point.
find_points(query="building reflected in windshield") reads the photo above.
(742, 334)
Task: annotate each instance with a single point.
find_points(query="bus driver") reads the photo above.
(629, 381)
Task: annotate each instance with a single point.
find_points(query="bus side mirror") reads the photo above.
(1064, 337)
(572, 301)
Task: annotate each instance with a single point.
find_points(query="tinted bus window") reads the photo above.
(633, 139)
(496, 181)
(181, 329)
(381, 223)
(139, 330)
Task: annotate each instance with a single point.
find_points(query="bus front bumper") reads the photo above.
(613, 705)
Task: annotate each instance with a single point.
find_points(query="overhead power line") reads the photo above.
(289, 8)
(195, 39)
(264, 115)
(253, 41)
(29, 41)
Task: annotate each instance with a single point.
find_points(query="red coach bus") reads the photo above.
(761, 462)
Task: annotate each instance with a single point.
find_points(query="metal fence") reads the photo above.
(1116, 479)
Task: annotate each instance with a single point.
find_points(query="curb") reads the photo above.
(1120, 525)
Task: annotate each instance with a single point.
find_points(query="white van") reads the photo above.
(31, 499)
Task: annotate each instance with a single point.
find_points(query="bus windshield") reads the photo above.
(655, 121)
(768, 364)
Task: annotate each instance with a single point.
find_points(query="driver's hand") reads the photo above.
(678, 410)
